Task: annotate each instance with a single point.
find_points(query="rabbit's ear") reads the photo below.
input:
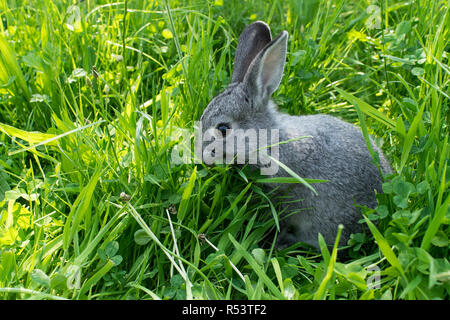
(264, 74)
(251, 41)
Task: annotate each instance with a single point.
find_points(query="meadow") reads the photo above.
(93, 97)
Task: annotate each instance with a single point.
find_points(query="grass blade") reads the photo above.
(34, 293)
(186, 195)
(257, 268)
(288, 180)
(80, 208)
(10, 68)
(96, 277)
(321, 292)
(50, 140)
(384, 247)
(409, 139)
(294, 175)
(435, 224)
(367, 109)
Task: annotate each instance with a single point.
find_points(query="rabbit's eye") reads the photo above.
(223, 127)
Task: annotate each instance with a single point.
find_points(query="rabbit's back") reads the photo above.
(335, 151)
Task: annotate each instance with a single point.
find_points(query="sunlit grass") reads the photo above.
(92, 98)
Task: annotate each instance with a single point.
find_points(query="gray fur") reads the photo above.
(251, 41)
(336, 151)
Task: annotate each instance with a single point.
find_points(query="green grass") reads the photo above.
(93, 97)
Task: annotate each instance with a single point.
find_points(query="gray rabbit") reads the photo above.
(320, 147)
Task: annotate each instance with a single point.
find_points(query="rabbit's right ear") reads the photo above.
(251, 41)
(265, 72)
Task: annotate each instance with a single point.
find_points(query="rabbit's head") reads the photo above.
(244, 107)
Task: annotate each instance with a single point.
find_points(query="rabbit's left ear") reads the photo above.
(265, 72)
